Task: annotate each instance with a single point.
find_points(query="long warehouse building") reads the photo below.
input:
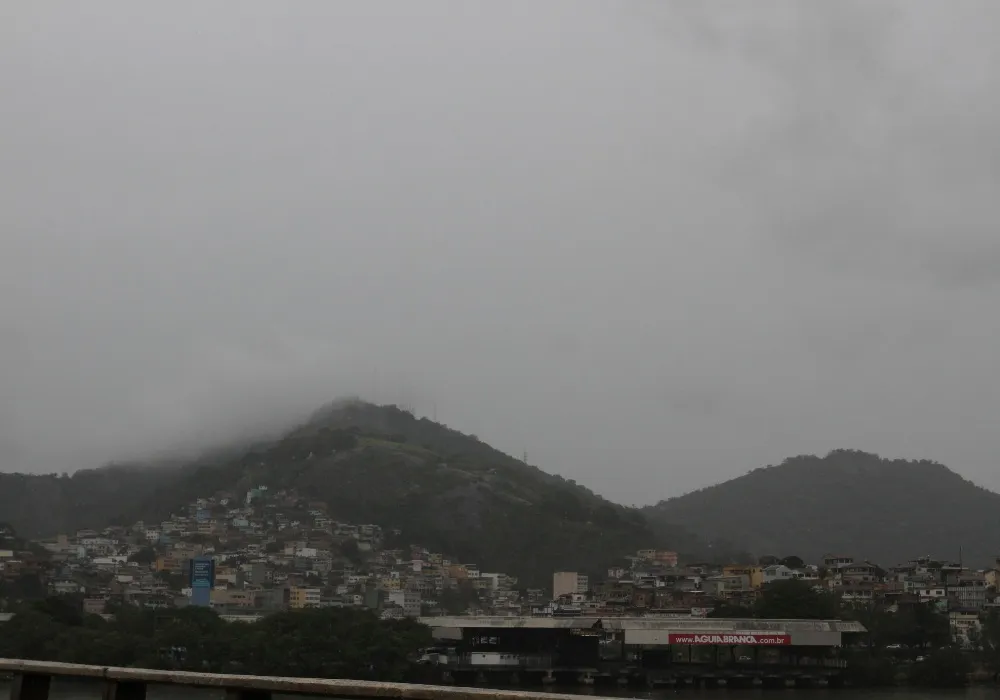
(658, 631)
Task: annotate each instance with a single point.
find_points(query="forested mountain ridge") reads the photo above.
(848, 502)
(370, 464)
(45, 504)
(455, 494)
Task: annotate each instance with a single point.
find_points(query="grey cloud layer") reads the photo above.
(653, 243)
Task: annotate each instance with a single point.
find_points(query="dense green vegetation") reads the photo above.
(47, 504)
(321, 643)
(787, 600)
(886, 658)
(848, 502)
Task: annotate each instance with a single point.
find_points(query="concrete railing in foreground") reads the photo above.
(32, 680)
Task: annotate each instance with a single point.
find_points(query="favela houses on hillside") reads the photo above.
(250, 555)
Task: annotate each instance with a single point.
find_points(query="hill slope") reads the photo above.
(375, 464)
(847, 502)
(45, 504)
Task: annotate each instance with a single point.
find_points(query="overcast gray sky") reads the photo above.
(654, 243)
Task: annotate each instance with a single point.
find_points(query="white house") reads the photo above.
(776, 572)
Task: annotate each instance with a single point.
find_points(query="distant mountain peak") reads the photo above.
(372, 464)
(886, 510)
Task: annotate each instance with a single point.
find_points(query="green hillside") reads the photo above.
(848, 502)
(371, 464)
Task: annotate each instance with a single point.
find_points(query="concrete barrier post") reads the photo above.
(30, 686)
(246, 694)
(124, 690)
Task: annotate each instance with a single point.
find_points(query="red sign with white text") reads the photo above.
(734, 638)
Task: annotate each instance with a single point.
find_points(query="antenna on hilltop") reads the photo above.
(404, 395)
(525, 457)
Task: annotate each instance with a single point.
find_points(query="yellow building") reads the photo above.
(754, 573)
(170, 563)
(389, 583)
(300, 597)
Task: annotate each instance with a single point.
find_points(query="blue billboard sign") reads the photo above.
(202, 580)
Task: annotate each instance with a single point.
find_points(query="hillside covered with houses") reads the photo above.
(278, 550)
(448, 491)
(371, 515)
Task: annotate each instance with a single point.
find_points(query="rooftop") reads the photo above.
(700, 624)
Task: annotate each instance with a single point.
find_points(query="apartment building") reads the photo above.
(568, 583)
(301, 597)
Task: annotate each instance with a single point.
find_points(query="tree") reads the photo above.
(66, 609)
(793, 562)
(605, 514)
(30, 634)
(796, 599)
(458, 599)
(730, 610)
(923, 626)
(885, 627)
(767, 560)
(564, 504)
(947, 667)
(341, 439)
(989, 641)
(145, 556)
(326, 643)
(331, 643)
(26, 587)
(350, 550)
